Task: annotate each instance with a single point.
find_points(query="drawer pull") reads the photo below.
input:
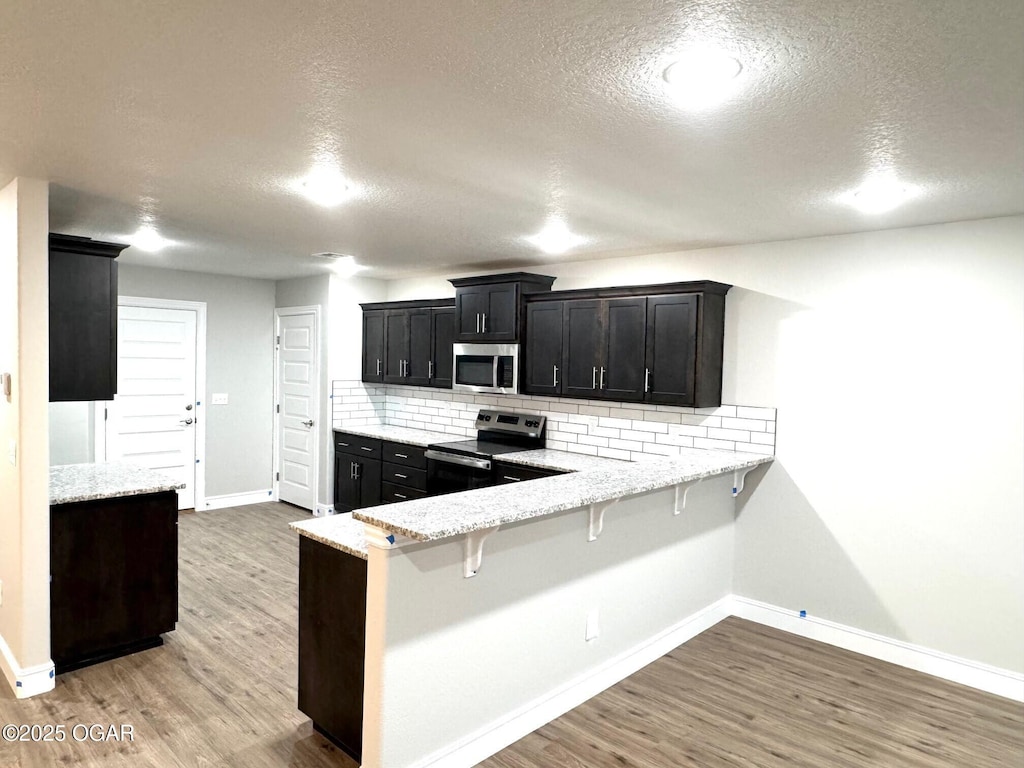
(404, 477)
(364, 448)
(400, 496)
(343, 445)
(507, 477)
(401, 456)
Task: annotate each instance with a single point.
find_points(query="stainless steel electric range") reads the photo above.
(466, 464)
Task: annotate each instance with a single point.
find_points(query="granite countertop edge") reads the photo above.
(338, 531)
(460, 513)
(73, 483)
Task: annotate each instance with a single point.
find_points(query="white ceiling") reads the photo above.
(466, 123)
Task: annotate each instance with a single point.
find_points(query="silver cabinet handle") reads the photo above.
(364, 448)
(602, 377)
(185, 422)
(593, 380)
(404, 477)
(352, 471)
(554, 383)
(515, 479)
(358, 470)
(378, 366)
(430, 369)
(484, 323)
(400, 496)
(343, 444)
(478, 322)
(308, 423)
(647, 379)
(401, 456)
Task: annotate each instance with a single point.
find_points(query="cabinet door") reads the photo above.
(621, 376)
(488, 312)
(671, 349)
(418, 361)
(346, 489)
(499, 321)
(373, 346)
(368, 472)
(442, 338)
(83, 327)
(582, 347)
(470, 306)
(396, 346)
(543, 372)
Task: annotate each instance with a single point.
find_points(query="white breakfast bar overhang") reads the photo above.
(578, 580)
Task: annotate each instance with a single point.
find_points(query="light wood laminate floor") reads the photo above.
(221, 691)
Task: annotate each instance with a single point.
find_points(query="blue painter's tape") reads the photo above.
(18, 684)
(734, 490)
(52, 673)
(391, 538)
(803, 614)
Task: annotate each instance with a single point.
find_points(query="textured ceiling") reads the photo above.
(467, 123)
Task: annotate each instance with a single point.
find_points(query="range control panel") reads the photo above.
(531, 424)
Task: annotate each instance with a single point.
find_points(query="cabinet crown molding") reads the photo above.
(615, 292)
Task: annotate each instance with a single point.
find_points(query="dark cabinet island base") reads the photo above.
(332, 642)
(114, 577)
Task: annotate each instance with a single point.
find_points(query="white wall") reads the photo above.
(239, 361)
(895, 359)
(449, 658)
(24, 436)
(72, 433)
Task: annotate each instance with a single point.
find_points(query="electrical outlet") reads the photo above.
(592, 626)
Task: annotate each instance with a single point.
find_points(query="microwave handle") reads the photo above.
(494, 371)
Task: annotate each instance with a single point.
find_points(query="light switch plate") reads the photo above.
(219, 398)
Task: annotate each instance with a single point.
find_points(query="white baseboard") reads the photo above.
(238, 499)
(25, 681)
(1001, 682)
(495, 737)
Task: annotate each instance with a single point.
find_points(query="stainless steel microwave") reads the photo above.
(490, 368)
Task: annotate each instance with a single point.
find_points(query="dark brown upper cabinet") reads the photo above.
(83, 318)
(409, 342)
(655, 344)
(490, 307)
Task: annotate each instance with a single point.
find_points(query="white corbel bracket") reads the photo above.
(738, 476)
(597, 511)
(474, 551)
(681, 490)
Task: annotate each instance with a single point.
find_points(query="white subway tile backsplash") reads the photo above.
(613, 453)
(753, 425)
(621, 430)
(748, 412)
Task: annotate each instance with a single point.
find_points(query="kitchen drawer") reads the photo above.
(368, 447)
(390, 493)
(514, 473)
(396, 474)
(403, 453)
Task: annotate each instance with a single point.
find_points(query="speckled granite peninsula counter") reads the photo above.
(113, 561)
(389, 616)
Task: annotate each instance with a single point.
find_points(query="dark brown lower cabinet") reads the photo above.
(114, 577)
(332, 642)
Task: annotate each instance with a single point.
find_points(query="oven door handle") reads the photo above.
(454, 458)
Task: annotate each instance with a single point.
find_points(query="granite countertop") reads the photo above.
(338, 531)
(440, 517)
(86, 482)
(420, 437)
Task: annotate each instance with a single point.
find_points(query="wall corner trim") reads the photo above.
(1001, 682)
(236, 500)
(25, 681)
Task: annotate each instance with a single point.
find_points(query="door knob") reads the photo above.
(308, 423)
(185, 422)
(188, 406)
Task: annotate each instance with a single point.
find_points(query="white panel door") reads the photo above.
(297, 392)
(152, 419)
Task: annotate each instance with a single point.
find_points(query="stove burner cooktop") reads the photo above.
(479, 448)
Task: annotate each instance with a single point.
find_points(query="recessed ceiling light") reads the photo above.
(555, 238)
(702, 77)
(879, 194)
(148, 239)
(324, 185)
(340, 264)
